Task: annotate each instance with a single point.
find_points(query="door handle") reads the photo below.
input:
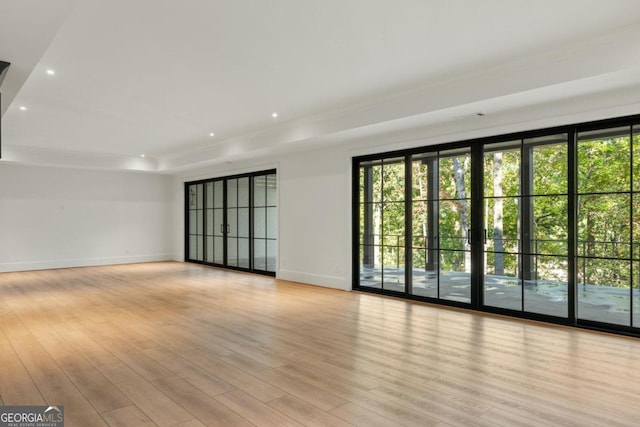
(221, 230)
(228, 229)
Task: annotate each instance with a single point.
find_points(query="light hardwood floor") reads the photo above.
(173, 344)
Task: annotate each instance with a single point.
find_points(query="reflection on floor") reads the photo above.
(599, 303)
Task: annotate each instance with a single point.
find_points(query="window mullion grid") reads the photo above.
(572, 219)
(631, 228)
(408, 226)
(525, 190)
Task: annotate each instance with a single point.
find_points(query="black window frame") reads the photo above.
(476, 146)
(224, 179)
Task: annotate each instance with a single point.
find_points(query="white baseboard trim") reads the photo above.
(334, 282)
(84, 262)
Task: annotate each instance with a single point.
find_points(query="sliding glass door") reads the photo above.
(608, 217)
(525, 230)
(237, 226)
(214, 221)
(231, 222)
(542, 224)
(264, 222)
(441, 220)
(195, 216)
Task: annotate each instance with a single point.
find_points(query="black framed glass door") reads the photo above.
(526, 229)
(441, 220)
(542, 224)
(214, 220)
(231, 222)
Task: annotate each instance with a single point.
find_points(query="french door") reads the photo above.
(231, 222)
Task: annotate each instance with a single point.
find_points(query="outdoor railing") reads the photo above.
(586, 246)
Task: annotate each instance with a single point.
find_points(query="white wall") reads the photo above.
(314, 212)
(56, 217)
(314, 205)
(314, 231)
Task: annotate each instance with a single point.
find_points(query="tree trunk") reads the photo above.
(459, 171)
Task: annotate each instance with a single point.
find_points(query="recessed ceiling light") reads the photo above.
(23, 108)
(274, 115)
(141, 155)
(51, 72)
(212, 134)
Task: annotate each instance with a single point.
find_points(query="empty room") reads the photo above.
(319, 213)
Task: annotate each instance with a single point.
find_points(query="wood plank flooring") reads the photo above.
(173, 344)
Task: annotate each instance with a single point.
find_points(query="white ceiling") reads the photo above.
(155, 77)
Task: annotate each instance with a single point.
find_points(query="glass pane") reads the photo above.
(424, 274)
(393, 268)
(259, 254)
(370, 266)
(272, 181)
(243, 222)
(603, 225)
(549, 162)
(424, 169)
(272, 254)
(243, 192)
(454, 174)
(218, 194)
(503, 231)
(218, 222)
(209, 227)
(636, 159)
(200, 248)
(454, 224)
(200, 191)
(272, 223)
(209, 256)
(604, 160)
(209, 195)
(502, 287)
(376, 223)
(376, 182)
(193, 222)
(455, 276)
(259, 191)
(232, 193)
(232, 251)
(362, 193)
(603, 290)
(422, 215)
(392, 223)
(547, 289)
(393, 180)
(636, 294)
(549, 225)
(502, 169)
(243, 253)
(636, 226)
(193, 247)
(218, 250)
(232, 221)
(259, 222)
(199, 221)
(193, 197)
